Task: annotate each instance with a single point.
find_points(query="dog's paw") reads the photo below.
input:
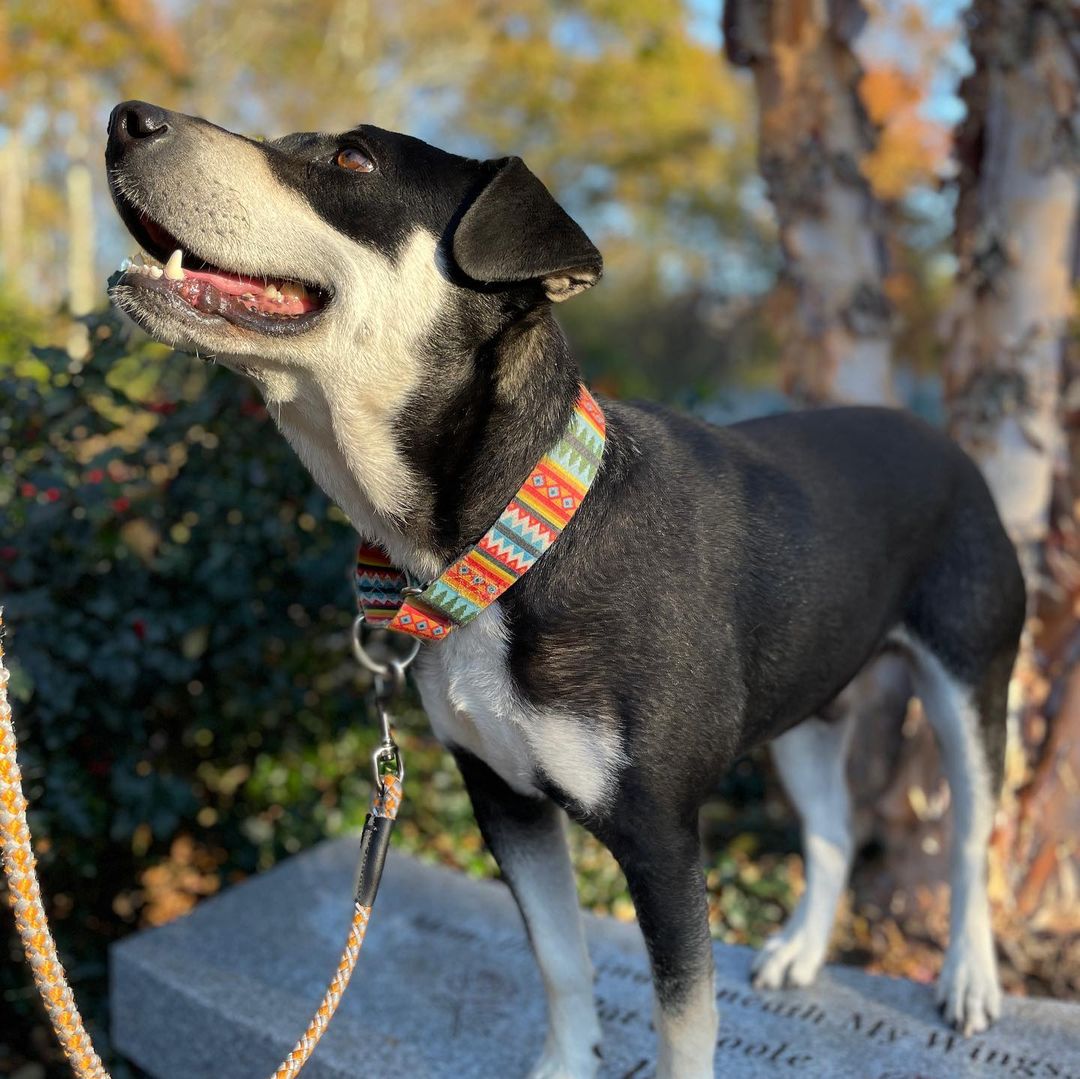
(788, 959)
(581, 1062)
(558, 1066)
(968, 992)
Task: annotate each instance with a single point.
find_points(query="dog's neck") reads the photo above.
(477, 445)
(454, 452)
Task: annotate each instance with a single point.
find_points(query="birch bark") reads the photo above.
(1013, 384)
(833, 320)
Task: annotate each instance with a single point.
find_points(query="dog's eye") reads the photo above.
(355, 160)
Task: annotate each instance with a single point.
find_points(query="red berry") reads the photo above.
(28, 490)
(121, 504)
(53, 494)
(95, 475)
(139, 626)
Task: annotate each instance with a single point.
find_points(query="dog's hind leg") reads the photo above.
(811, 760)
(970, 726)
(528, 839)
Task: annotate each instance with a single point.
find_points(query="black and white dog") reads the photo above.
(718, 588)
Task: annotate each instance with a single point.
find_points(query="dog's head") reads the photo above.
(344, 273)
(288, 245)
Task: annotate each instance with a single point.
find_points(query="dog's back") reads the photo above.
(777, 556)
(900, 530)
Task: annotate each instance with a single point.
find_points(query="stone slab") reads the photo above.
(446, 987)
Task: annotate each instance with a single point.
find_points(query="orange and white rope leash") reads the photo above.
(25, 897)
(40, 948)
(384, 807)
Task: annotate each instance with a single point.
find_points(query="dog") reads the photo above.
(718, 588)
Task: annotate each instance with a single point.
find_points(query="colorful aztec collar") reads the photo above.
(391, 598)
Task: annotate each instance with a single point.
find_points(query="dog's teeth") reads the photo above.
(293, 290)
(125, 265)
(155, 271)
(272, 293)
(174, 269)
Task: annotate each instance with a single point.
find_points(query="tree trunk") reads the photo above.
(82, 284)
(833, 320)
(1014, 390)
(1014, 403)
(13, 184)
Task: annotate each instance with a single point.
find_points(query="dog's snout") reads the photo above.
(133, 122)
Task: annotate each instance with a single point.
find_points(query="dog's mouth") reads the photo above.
(168, 268)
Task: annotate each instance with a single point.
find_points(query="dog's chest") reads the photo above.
(473, 704)
(469, 696)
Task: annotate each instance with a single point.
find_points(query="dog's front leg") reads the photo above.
(528, 839)
(661, 858)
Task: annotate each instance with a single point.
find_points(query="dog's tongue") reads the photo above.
(274, 297)
(222, 292)
(263, 295)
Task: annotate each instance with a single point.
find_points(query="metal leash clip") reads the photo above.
(389, 679)
(387, 752)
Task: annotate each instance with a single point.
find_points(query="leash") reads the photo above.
(25, 896)
(388, 772)
(25, 892)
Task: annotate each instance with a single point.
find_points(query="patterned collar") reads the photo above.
(391, 598)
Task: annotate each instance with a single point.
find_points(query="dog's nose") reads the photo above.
(136, 121)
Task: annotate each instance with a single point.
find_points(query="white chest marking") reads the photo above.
(471, 700)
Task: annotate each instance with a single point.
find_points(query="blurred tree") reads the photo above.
(830, 306)
(910, 148)
(829, 169)
(840, 147)
(13, 181)
(1014, 387)
(908, 57)
(105, 50)
(620, 107)
(613, 103)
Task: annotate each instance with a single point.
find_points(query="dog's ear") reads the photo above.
(516, 232)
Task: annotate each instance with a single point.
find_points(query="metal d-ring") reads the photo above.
(389, 683)
(394, 669)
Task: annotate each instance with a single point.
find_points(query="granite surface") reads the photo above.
(447, 987)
